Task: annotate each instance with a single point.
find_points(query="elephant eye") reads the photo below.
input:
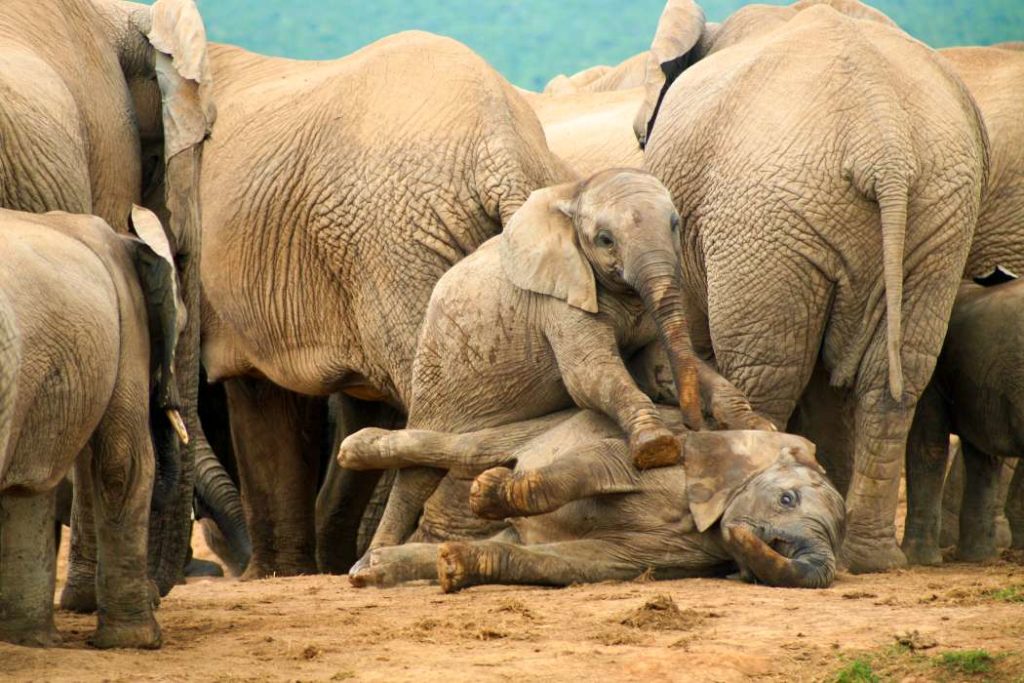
(788, 499)
(604, 240)
(674, 223)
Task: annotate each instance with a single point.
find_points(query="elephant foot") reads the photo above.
(365, 449)
(40, 636)
(79, 597)
(456, 566)
(654, 448)
(921, 552)
(1004, 535)
(976, 552)
(872, 555)
(361, 573)
(197, 567)
(144, 635)
(489, 494)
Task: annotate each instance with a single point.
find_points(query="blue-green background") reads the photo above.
(530, 41)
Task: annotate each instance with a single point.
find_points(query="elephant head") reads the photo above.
(780, 518)
(618, 228)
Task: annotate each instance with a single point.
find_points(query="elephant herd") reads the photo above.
(605, 330)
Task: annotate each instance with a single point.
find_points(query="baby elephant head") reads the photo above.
(781, 519)
(618, 228)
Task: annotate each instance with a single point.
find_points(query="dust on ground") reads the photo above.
(958, 622)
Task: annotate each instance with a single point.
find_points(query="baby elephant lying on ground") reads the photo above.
(753, 500)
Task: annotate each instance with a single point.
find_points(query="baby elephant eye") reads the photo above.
(674, 222)
(787, 499)
(604, 240)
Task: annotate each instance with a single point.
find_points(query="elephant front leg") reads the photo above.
(596, 377)
(275, 434)
(880, 444)
(121, 482)
(461, 565)
(79, 593)
(28, 568)
(927, 454)
(979, 506)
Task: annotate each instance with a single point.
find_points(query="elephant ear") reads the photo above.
(719, 463)
(674, 48)
(154, 265)
(183, 73)
(540, 253)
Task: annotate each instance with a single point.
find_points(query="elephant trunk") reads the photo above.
(656, 280)
(219, 496)
(808, 568)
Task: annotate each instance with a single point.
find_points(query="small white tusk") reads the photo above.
(179, 425)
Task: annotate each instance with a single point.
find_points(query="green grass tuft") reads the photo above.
(966, 661)
(857, 671)
(1009, 594)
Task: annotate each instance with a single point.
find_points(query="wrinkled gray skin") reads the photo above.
(75, 352)
(1009, 499)
(335, 194)
(591, 131)
(977, 392)
(828, 169)
(94, 118)
(542, 317)
(582, 513)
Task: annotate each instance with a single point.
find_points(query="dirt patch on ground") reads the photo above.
(958, 622)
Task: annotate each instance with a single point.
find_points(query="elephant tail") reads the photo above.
(892, 194)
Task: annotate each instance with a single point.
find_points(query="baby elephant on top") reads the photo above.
(541, 316)
(580, 511)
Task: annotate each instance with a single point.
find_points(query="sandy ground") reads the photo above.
(320, 629)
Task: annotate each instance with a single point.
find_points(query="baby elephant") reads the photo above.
(977, 392)
(541, 317)
(81, 308)
(753, 500)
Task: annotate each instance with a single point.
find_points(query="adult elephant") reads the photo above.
(101, 102)
(335, 194)
(591, 131)
(829, 171)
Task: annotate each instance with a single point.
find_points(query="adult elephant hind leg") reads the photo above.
(927, 455)
(28, 566)
(79, 593)
(979, 506)
(461, 565)
(275, 434)
(122, 469)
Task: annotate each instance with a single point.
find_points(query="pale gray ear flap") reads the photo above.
(539, 251)
(183, 73)
(672, 51)
(719, 463)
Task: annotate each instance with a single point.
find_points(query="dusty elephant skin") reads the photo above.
(542, 317)
(582, 513)
(820, 217)
(66, 400)
(101, 104)
(976, 393)
(335, 195)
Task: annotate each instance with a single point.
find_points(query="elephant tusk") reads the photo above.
(179, 425)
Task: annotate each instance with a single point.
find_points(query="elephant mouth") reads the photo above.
(780, 558)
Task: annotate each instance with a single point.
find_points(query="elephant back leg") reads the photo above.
(276, 438)
(927, 455)
(980, 504)
(79, 593)
(1014, 507)
(461, 565)
(28, 566)
(43, 159)
(120, 477)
